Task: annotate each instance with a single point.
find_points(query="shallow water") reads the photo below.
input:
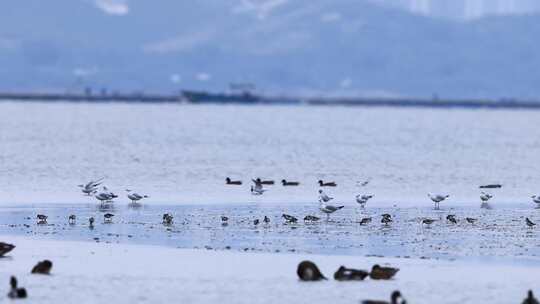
(182, 153)
(498, 234)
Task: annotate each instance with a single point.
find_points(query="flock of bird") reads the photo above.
(105, 195)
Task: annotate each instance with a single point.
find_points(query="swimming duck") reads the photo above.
(327, 184)
(228, 181)
(530, 299)
(536, 199)
(382, 273)
(286, 183)
(394, 297)
(365, 221)
(308, 271)
(258, 181)
(348, 274)
(289, 218)
(5, 248)
(15, 292)
(491, 186)
(43, 267)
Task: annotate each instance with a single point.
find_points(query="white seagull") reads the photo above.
(324, 197)
(536, 199)
(328, 209)
(134, 197)
(363, 199)
(485, 197)
(437, 199)
(257, 190)
(91, 187)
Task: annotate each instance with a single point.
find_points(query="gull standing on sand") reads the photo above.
(363, 199)
(257, 190)
(324, 197)
(328, 209)
(437, 199)
(485, 197)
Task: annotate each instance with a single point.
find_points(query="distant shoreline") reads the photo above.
(250, 99)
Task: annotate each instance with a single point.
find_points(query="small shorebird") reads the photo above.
(536, 199)
(311, 218)
(16, 292)
(289, 218)
(135, 197)
(363, 199)
(42, 219)
(324, 197)
(256, 222)
(386, 219)
(266, 219)
(224, 218)
(167, 219)
(349, 274)
(382, 273)
(428, 222)
(529, 223)
(91, 222)
(437, 199)
(365, 221)
(394, 297)
(327, 184)
(328, 209)
(287, 183)
(308, 271)
(451, 218)
(530, 299)
(107, 217)
(228, 181)
(5, 248)
(471, 220)
(43, 267)
(71, 219)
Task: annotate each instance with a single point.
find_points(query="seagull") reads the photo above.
(437, 199)
(289, 218)
(327, 184)
(103, 197)
(324, 197)
(451, 218)
(91, 187)
(257, 190)
(363, 199)
(536, 199)
(485, 197)
(134, 197)
(328, 209)
(529, 222)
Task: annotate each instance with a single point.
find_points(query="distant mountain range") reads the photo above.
(329, 47)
